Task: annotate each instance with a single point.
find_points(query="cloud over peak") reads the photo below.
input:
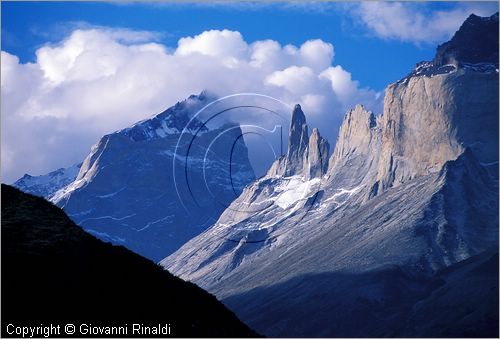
(100, 79)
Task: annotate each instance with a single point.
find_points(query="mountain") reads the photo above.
(53, 272)
(476, 42)
(46, 185)
(461, 301)
(155, 185)
(402, 219)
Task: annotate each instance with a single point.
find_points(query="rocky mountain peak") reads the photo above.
(298, 140)
(316, 157)
(475, 42)
(307, 156)
(354, 159)
(298, 114)
(46, 185)
(474, 47)
(298, 129)
(355, 133)
(429, 117)
(443, 106)
(412, 189)
(172, 120)
(151, 189)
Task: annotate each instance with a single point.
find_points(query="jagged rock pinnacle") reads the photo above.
(298, 140)
(316, 159)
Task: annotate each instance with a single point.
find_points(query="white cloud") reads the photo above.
(317, 54)
(297, 80)
(216, 43)
(98, 80)
(342, 84)
(414, 22)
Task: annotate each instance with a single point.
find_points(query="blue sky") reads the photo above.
(74, 71)
(374, 62)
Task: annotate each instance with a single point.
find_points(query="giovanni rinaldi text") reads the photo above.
(51, 330)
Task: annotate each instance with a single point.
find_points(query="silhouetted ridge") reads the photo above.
(54, 272)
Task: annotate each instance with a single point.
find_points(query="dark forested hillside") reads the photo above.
(54, 272)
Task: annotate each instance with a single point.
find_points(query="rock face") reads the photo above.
(429, 120)
(407, 198)
(254, 219)
(298, 141)
(46, 185)
(315, 159)
(151, 187)
(442, 107)
(355, 158)
(306, 155)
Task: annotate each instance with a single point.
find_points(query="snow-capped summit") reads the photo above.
(151, 187)
(173, 120)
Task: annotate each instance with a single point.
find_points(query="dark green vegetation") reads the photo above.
(53, 271)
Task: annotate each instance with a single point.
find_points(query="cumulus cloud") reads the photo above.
(216, 43)
(414, 22)
(99, 79)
